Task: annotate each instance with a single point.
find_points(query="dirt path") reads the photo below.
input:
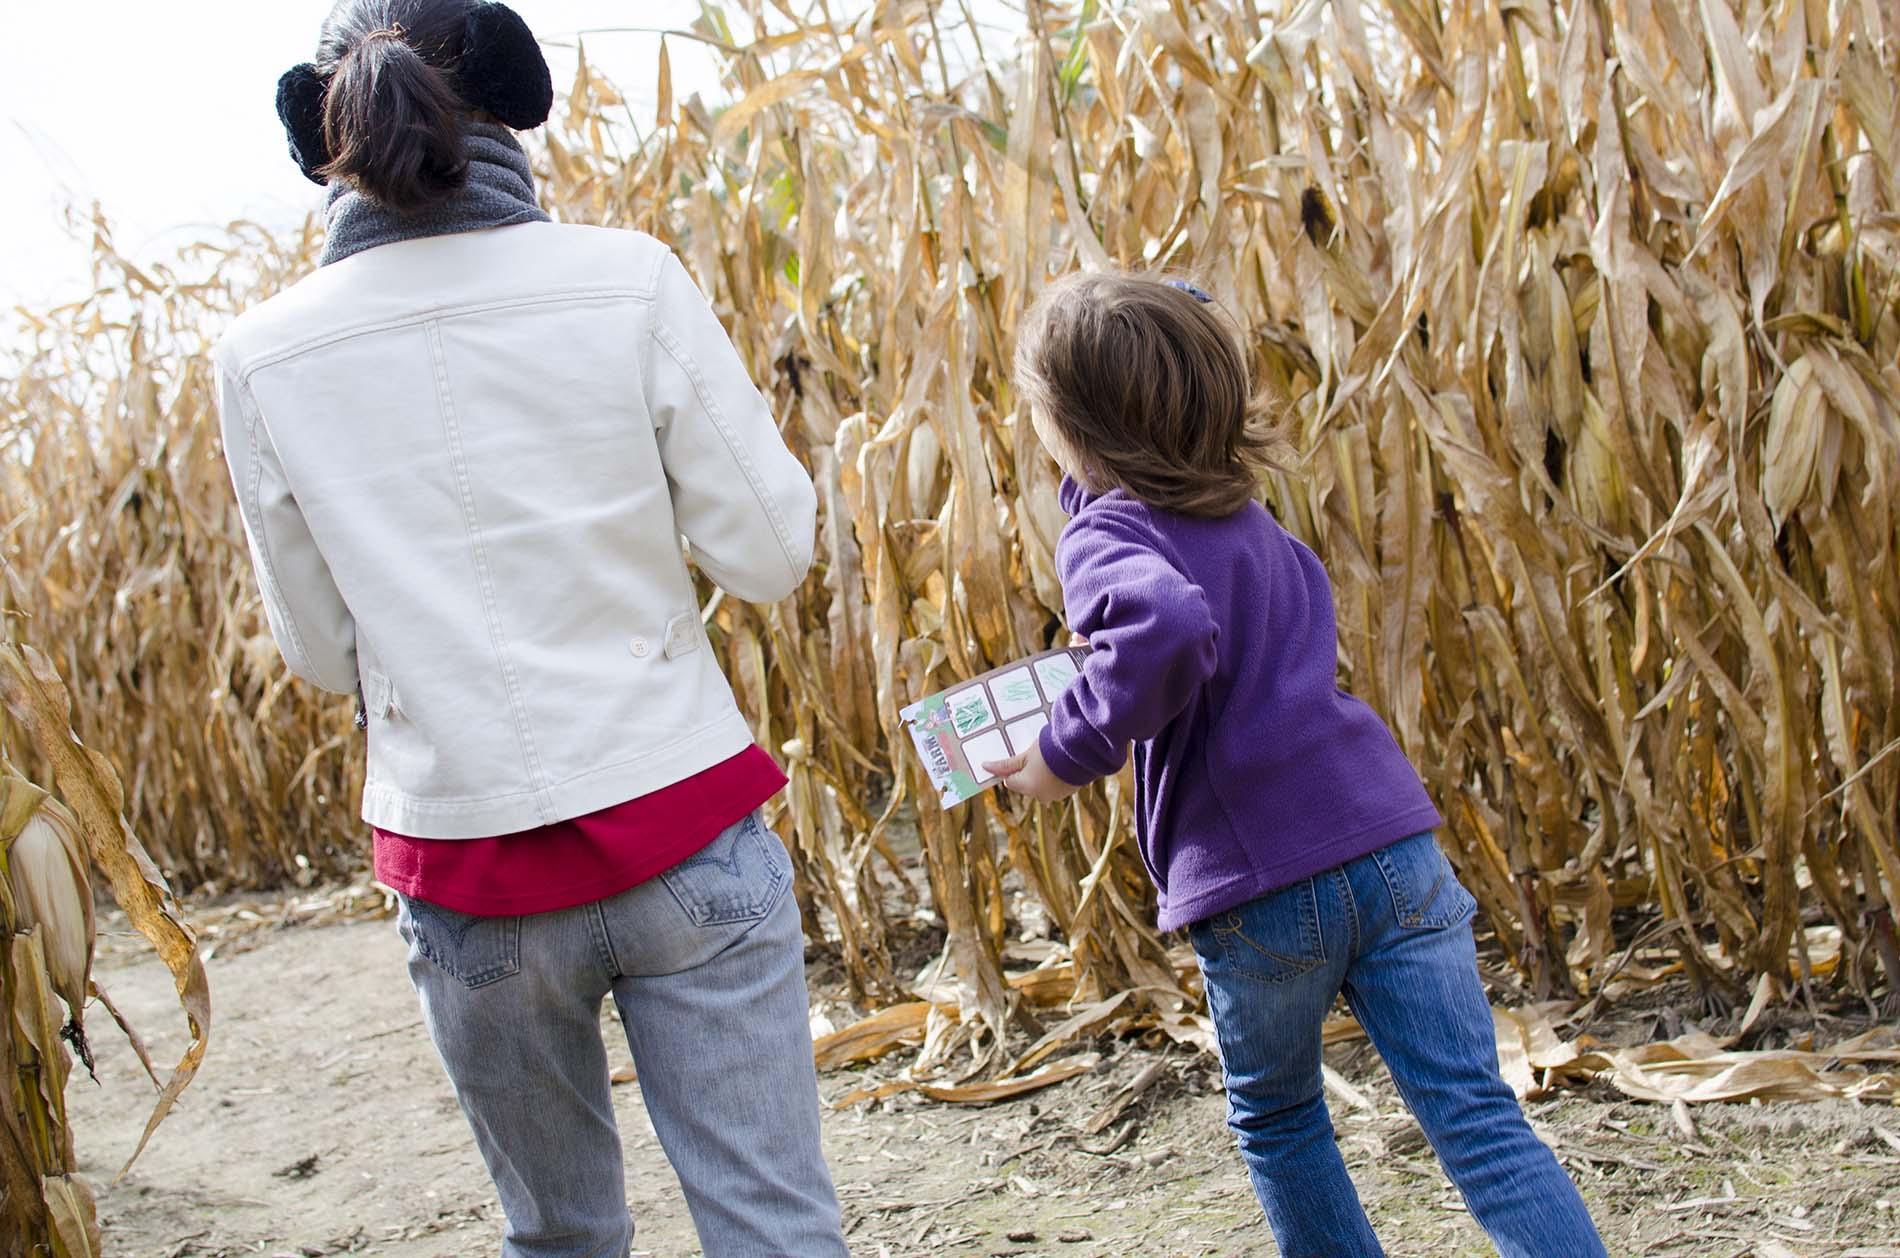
(322, 1124)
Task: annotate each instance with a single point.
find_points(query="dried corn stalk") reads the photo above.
(1583, 313)
(41, 1199)
(47, 851)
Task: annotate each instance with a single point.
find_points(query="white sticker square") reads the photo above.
(1024, 733)
(983, 748)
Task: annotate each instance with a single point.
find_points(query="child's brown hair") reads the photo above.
(1146, 382)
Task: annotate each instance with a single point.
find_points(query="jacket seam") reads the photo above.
(431, 317)
(472, 803)
(458, 460)
(274, 590)
(740, 455)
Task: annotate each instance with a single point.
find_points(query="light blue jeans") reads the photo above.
(1392, 930)
(707, 965)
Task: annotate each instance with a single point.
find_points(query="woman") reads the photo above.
(466, 449)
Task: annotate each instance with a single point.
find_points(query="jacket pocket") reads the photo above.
(1426, 893)
(379, 696)
(474, 951)
(682, 635)
(738, 877)
(1270, 940)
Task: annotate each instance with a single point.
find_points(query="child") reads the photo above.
(1277, 816)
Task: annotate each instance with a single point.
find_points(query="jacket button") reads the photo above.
(639, 648)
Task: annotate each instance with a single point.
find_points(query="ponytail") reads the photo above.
(392, 124)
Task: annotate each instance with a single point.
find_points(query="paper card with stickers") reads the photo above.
(988, 718)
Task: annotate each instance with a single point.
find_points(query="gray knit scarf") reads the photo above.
(499, 193)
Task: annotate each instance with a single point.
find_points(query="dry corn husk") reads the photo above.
(39, 917)
(46, 870)
(73, 1216)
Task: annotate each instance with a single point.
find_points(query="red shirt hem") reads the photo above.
(575, 862)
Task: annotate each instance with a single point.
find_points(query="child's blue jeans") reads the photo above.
(1392, 931)
(707, 965)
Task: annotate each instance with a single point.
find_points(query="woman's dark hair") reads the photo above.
(393, 117)
(1146, 382)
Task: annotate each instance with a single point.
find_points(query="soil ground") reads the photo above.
(322, 1124)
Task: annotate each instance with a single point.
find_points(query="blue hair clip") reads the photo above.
(1191, 291)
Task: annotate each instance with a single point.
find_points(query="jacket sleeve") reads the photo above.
(1152, 644)
(744, 503)
(308, 618)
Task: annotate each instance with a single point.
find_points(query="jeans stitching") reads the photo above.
(1431, 897)
(755, 909)
(1283, 958)
(1408, 916)
(1309, 922)
(603, 939)
(508, 965)
(730, 863)
(1232, 928)
(772, 906)
(1394, 887)
(1352, 912)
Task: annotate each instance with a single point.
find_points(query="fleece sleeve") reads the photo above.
(1152, 644)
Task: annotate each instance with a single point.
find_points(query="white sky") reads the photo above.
(162, 111)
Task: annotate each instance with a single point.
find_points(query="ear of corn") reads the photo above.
(1583, 318)
(39, 915)
(46, 869)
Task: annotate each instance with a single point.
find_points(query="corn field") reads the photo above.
(1582, 317)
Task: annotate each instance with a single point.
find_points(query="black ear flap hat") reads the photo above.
(300, 106)
(502, 73)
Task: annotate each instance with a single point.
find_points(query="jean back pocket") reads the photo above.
(738, 877)
(1426, 893)
(475, 951)
(1272, 939)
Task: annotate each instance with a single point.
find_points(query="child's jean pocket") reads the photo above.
(1425, 891)
(1270, 939)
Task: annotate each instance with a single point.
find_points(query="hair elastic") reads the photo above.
(1191, 291)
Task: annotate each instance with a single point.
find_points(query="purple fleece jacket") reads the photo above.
(1212, 651)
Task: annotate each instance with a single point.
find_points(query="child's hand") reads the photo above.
(1028, 775)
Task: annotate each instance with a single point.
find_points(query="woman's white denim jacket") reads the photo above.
(465, 464)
